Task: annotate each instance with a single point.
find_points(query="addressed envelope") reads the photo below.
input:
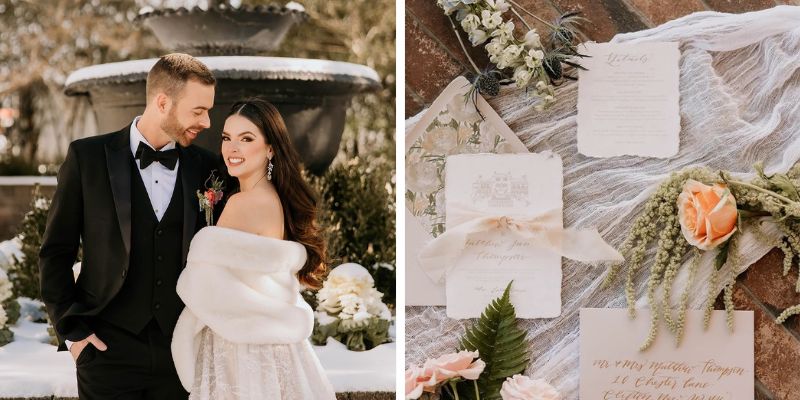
(420, 290)
(708, 365)
(504, 185)
(452, 125)
(628, 100)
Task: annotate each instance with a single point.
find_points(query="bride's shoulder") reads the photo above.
(254, 212)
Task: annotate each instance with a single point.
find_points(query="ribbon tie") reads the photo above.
(545, 228)
(146, 156)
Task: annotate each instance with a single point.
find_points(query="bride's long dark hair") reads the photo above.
(297, 197)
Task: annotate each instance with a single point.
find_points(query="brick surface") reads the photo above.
(766, 282)
(777, 350)
(431, 19)
(428, 67)
(656, 14)
(606, 17)
(739, 6)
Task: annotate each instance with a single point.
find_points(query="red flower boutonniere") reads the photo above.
(211, 196)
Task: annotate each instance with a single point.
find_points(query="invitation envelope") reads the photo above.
(708, 365)
(628, 100)
(454, 124)
(515, 185)
(420, 290)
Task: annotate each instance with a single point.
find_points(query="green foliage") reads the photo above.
(500, 343)
(6, 336)
(24, 273)
(357, 336)
(11, 307)
(357, 216)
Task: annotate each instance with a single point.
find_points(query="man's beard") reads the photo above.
(175, 130)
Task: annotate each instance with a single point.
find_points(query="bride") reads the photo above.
(244, 331)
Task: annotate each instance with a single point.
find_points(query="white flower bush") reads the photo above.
(349, 294)
(350, 310)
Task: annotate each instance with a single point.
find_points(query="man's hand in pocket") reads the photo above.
(77, 348)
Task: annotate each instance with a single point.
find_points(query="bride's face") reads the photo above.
(244, 148)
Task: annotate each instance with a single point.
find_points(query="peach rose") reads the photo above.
(520, 387)
(707, 214)
(415, 382)
(462, 364)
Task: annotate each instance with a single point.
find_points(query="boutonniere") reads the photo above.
(209, 197)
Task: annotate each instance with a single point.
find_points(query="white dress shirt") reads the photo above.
(159, 181)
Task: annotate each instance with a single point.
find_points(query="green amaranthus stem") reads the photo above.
(760, 189)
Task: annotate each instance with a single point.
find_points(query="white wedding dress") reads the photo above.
(244, 331)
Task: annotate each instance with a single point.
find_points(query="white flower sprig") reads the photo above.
(483, 22)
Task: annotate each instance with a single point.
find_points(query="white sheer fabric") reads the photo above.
(231, 371)
(740, 103)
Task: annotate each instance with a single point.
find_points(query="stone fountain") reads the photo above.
(312, 95)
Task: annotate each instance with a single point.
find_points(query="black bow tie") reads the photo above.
(147, 156)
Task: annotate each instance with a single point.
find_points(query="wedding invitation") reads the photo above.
(708, 365)
(628, 100)
(454, 124)
(519, 186)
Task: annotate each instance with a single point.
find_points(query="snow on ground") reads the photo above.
(30, 367)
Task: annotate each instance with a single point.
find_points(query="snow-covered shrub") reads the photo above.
(350, 310)
(7, 309)
(24, 270)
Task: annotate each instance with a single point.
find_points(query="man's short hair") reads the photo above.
(171, 73)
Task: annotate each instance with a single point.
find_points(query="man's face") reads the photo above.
(188, 113)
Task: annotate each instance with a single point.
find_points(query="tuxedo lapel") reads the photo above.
(191, 181)
(118, 154)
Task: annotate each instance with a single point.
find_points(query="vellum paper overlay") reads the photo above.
(708, 365)
(504, 222)
(454, 124)
(628, 100)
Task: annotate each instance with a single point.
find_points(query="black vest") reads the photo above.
(155, 264)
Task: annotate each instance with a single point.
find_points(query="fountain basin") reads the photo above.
(312, 95)
(222, 30)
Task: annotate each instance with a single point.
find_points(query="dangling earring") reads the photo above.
(269, 169)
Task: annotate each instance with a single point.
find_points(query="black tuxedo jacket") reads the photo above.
(92, 205)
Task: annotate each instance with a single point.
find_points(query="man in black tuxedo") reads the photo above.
(129, 197)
